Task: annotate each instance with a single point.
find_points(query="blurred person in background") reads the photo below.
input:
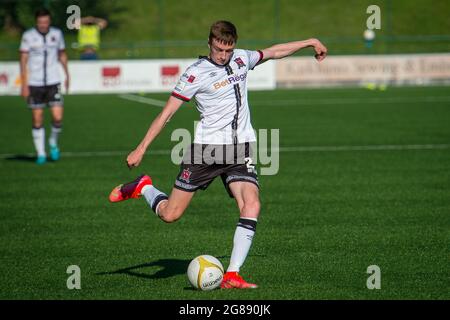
(41, 50)
(89, 36)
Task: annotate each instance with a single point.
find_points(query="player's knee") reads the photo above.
(57, 123)
(37, 122)
(170, 215)
(251, 208)
(169, 218)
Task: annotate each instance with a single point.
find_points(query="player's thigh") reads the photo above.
(37, 115)
(247, 198)
(178, 202)
(55, 99)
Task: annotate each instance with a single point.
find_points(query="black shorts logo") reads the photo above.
(185, 175)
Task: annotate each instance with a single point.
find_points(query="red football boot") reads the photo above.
(234, 280)
(130, 190)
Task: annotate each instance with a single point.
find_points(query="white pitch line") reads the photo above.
(366, 148)
(309, 101)
(338, 101)
(145, 100)
(84, 154)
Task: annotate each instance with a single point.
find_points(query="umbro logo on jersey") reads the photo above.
(213, 74)
(230, 80)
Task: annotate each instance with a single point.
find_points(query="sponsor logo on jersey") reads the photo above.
(213, 74)
(230, 80)
(239, 62)
(180, 86)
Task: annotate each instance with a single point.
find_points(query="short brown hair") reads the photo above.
(223, 31)
(41, 12)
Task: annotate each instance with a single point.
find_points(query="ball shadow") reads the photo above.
(170, 268)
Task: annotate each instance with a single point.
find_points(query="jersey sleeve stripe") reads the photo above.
(179, 96)
(261, 56)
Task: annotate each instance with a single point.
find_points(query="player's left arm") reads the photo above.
(282, 50)
(62, 56)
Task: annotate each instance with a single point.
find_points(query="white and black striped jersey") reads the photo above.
(220, 93)
(43, 50)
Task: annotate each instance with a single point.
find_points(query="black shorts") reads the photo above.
(203, 163)
(46, 95)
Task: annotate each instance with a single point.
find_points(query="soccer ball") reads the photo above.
(369, 35)
(205, 272)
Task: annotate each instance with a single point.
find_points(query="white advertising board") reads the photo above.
(121, 76)
(413, 69)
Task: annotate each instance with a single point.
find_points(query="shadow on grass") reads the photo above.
(170, 268)
(21, 157)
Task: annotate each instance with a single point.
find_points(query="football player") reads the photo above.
(223, 139)
(41, 50)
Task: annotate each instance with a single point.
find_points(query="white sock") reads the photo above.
(53, 140)
(39, 140)
(153, 197)
(242, 242)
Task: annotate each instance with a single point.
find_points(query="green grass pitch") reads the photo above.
(327, 215)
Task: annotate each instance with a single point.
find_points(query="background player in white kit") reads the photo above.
(219, 84)
(41, 50)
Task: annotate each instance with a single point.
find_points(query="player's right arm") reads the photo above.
(186, 88)
(25, 91)
(172, 105)
(23, 61)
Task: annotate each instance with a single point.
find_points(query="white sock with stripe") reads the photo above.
(153, 197)
(242, 242)
(39, 140)
(53, 140)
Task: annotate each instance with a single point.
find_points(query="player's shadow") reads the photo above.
(21, 157)
(170, 268)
